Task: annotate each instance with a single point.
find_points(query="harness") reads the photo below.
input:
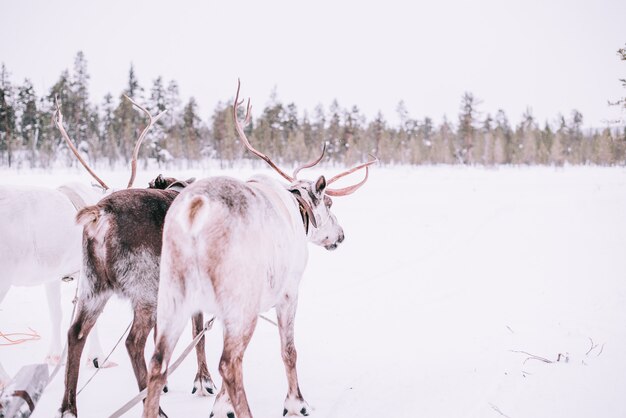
(305, 211)
(303, 207)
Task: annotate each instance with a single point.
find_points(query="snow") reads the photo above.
(446, 275)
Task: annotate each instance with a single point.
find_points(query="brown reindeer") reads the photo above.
(122, 237)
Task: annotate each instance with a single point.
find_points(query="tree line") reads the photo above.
(106, 132)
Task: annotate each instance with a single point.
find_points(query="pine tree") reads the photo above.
(79, 90)
(529, 140)
(318, 129)
(108, 142)
(156, 137)
(225, 141)
(352, 136)
(621, 102)
(443, 149)
(7, 116)
(333, 132)
(574, 138)
(504, 149)
(29, 120)
(129, 122)
(466, 131)
(191, 131)
(425, 132)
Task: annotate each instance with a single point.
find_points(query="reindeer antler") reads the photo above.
(350, 189)
(58, 121)
(331, 192)
(239, 126)
(151, 122)
(310, 164)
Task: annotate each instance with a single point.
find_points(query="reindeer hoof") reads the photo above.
(304, 412)
(98, 364)
(230, 414)
(162, 414)
(297, 407)
(203, 386)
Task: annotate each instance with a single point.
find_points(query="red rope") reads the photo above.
(26, 336)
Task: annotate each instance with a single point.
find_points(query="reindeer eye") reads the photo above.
(328, 201)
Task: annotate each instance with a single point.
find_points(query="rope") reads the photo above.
(105, 359)
(141, 395)
(32, 336)
(64, 353)
(269, 320)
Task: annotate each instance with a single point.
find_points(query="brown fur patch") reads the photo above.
(194, 207)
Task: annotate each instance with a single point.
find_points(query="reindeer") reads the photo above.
(41, 244)
(236, 249)
(122, 237)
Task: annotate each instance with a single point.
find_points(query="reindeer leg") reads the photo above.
(143, 322)
(154, 336)
(96, 354)
(86, 316)
(4, 378)
(286, 313)
(202, 383)
(53, 293)
(236, 339)
(165, 341)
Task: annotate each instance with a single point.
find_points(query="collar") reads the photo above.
(305, 211)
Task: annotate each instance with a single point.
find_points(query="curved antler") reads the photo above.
(239, 126)
(151, 122)
(58, 121)
(350, 189)
(310, 164)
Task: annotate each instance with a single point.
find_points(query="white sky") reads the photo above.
(553, 56)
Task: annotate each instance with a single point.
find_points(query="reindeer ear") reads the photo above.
(320, 185)
(156, 183)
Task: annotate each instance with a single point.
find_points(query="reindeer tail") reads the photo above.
(88, 217)
(197, 210)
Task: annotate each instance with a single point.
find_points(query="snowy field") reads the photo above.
(446, 275)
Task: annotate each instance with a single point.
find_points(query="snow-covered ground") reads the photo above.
(447, 274)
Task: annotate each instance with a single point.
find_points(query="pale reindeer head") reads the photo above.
(313, 197)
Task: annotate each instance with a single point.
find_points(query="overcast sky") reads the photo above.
(552, 56)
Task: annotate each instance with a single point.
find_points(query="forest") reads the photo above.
(106, 132)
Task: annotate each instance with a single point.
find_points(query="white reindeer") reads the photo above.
(41, 244)
(236, 249)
